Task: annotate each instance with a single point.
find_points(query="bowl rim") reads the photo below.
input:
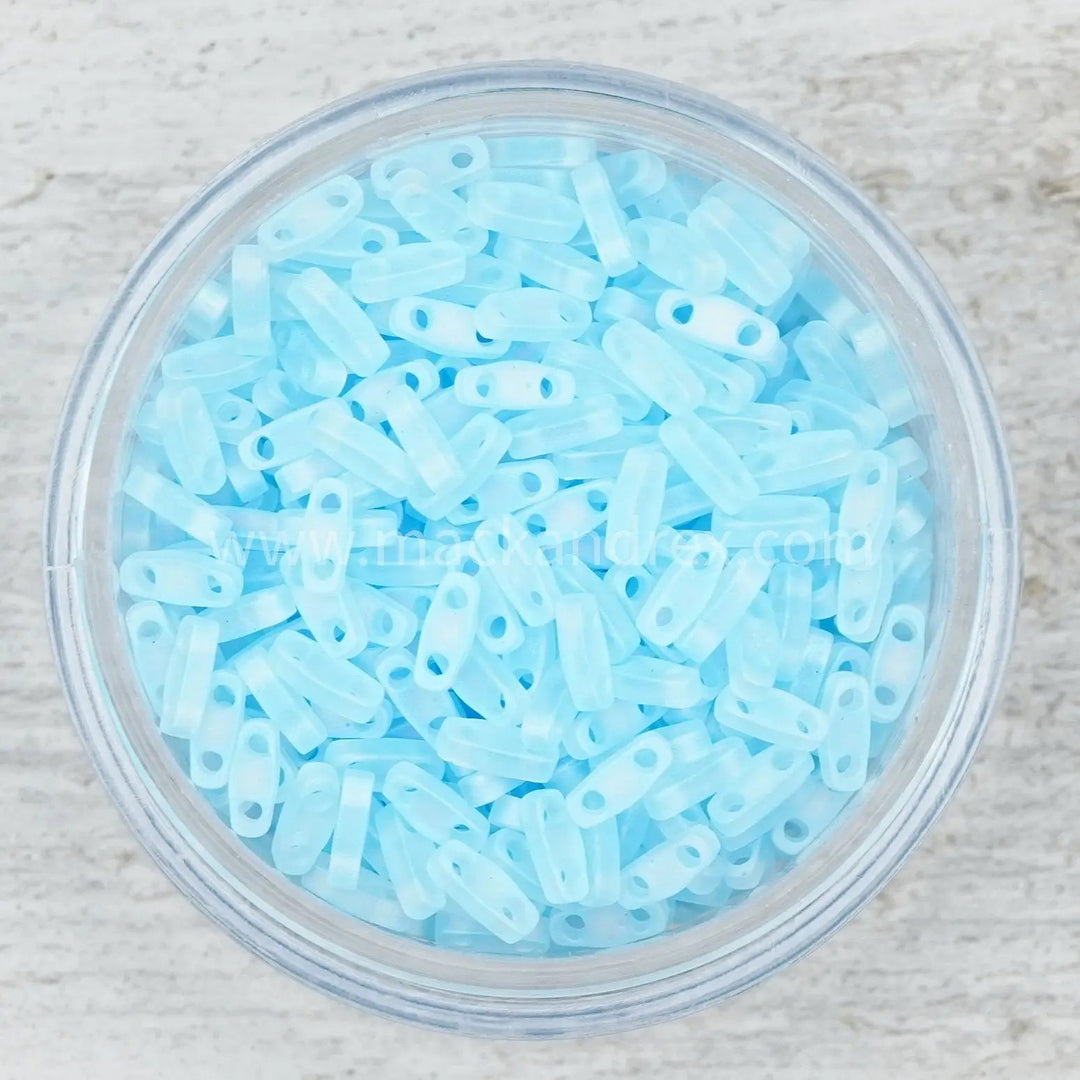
(584, 1009)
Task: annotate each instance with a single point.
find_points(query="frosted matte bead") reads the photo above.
(339, 322)
(514, 384)
(532, 314)
(557, 847)
(709, 460)
(433, 808)
(249, 276)
(806, 816)
(484, 274)
(753, 265)
(555, 266)
(807, 460)
(443, 327)
(524, 210)
(604, 220)
(586, 661)
(867, 509)
(408, 270)
(435, 212)
(607, 927)
(753, 650)
(181, 577)
(406, 855)
(189, 439)
(619, 781)
(452, 162)
(538, 151)
(326, 681)
(686, 784)
(676, 254)
(634, 511)
(188, 677)
(307, 818)
(207, 312)
(285, 439)
(350, 829)
(173, 504)
(520, 569)
(719, 323)
(666, 869)
(547, 431)
(429, 450)
(862, 595)
(590, 734)
(379, 756)
(771, 777)
(778, 717)
(254, 611)
(213, 742)
(845, 750)
(896, 661)
(354, 240)
(791, 523)
(484, 891)
(883, 372)
(645, 680)
(634, 174)
(214, 365)
(510, 487)
(494, 748)
(833, 407)
(326, 537)
(310, 219)
(253, 779)
(449, 628)
(653, 367)
(683, 591)
(373, 900)
(286, 709)
(791, 592)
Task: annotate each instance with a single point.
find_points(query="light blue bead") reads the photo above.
(452, 162)
(914, 505)
(356, 239)
(709, 460)
(479, 446)
(510, 487)
(307, 818)
(910, 460)
(616, 304)
(350, 828)
(586, 660)
(532, 314)
(604, 219)
(487, 684)
(683, 591)
(789, 241)
(809, 812)
(254, 611)
(806, 461)
(753, 265)
(862, 595)
(558, 850)
(637, 499)
(514, 384)
(339, 322)
(433, 808)
(592, 734)
(326, 537)
(829, 407)
(276, 394)
(593, 375)
(325, 681)
(881, 366)
(214, 365)
(686, 784)
(644, 680)
(430, 453)
(667, 868)
(208, 311)
(373, 900)
(435, 212)
(555, 266)
(653, 367)
(523, 210)
(569, 514)
(446, 637)
(249, 276)
(408, 270)
(233, 417)
(718, 323)
(480, 789)
(311, 218)
(494, 748)
(442, 327)
(777, 717)
(770, 522)
(187, 679)
(152, 638)
(509, 850)
(367, 398)
(379, 756)
(676, 254)
(844, 752)
(407, 854)
(771, 777)
(484, 274)
(541, 151)
(181, 577)
(619, 781)
(484, 891)
(286, 709)
(331, 617)
(173, 504)
(634, 174)
(791, 592)
(253, 779)
(753, 650)
(896, 661)
(213, 742)
(807, 681)
(607, 927)
(520, 569)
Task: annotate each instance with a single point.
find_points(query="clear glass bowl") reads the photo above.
(973, 608)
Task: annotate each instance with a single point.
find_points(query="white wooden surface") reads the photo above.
(960, 117)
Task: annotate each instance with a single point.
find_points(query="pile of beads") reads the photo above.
(525, 544)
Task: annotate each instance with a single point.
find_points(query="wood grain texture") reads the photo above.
(960, 117)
